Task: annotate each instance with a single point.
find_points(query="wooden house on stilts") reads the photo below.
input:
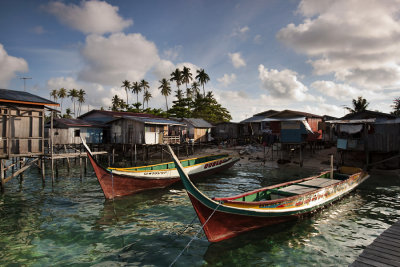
(22, 119)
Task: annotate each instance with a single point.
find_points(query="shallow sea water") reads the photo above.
(71, 224)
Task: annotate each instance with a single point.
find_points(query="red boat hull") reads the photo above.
(224, 225)
(116, 185)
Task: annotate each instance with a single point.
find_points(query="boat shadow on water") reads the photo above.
(124, 210)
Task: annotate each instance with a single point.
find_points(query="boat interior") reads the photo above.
(297, 188)
(171, 165)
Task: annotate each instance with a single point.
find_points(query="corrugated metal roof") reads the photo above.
(118, 114)
(76, 123)
(7, 95)
(198, 122)
(161, 121)
(253, 119)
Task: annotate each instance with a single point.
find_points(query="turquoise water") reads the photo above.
(70, 224)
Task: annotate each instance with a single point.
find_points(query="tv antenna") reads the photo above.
(25, 78)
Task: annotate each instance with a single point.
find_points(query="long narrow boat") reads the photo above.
(226, 217)
(116, 182)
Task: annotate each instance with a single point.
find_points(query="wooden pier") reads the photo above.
(384, 251)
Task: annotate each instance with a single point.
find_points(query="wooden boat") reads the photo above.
(226, 217)
(116, 182)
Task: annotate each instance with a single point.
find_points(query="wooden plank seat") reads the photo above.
(319, 182)
(290, 190)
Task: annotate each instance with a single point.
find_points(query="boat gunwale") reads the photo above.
(165, 163)
(274, 201)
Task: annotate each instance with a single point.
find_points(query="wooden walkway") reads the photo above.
(384, 251)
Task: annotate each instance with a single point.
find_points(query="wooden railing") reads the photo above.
(171, 140)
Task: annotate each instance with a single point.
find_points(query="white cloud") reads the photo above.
(227, 79)
(9, 66)
(344, 92)
(163, 69)
(172, 53)
(257, 39)
(110, 60)
(283, 84)
(357, 41)
(237, 60)
(89, 17)
(240, 32)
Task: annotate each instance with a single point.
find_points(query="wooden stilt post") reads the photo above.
(56, 163)
(132, 154)
(43, 171)
(162, 154)
(86, 165)
(68, 162)
(135, 155)
(332, 166)
(51, 147)
(187, 150)
(80, 166)
(301, 156)
(2, 175)
(21, 176)
(113, 155)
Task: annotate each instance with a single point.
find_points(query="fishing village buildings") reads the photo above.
(370, 136)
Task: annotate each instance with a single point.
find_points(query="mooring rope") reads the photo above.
(191, 240)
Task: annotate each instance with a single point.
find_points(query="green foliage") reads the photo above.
(396, 107)
(206, 108)
(156, 111)
(359, 104)
(117, 104)
(181, 107)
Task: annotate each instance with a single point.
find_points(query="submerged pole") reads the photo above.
(2, 175)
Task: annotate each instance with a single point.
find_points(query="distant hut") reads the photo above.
(22, 119)
(369, 135)
(142, 130)
(69, 131)
(198, 129)
(106, 116)
(224, 131)
(294, 127)
(253, 126)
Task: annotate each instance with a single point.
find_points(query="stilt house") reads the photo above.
(69, 131)
(140, 130)
(22, 120)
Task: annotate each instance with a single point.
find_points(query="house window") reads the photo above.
(77, 133)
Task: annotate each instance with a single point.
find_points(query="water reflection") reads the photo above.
(71, 224)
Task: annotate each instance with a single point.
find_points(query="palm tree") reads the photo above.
(127, 85)
(81, 99)
(177, 77)
(144, 85)
(117, 103)
(73, 93)
(146, 97)
(165, 90)
(203, 78)
(186, 76)
(54, 94)
(359, 104)
(136, 89)
(67, 114)
(396, 106)
(62, 93)
(195, 88)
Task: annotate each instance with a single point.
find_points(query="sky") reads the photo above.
(312, 55)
